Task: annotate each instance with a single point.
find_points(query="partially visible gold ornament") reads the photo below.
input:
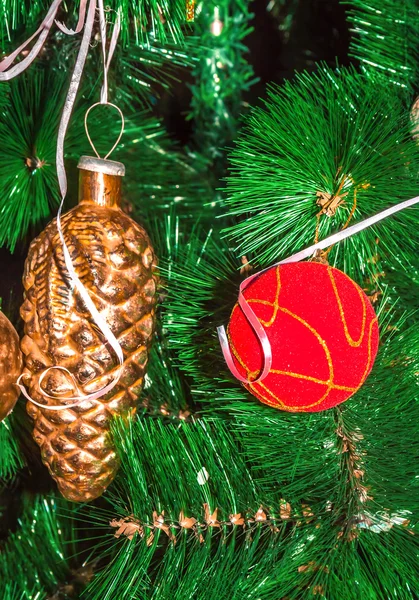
(10, 366)
(114, 259)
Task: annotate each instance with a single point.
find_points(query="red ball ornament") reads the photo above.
(323, 333)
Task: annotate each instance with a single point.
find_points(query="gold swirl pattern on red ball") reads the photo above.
(263, 392)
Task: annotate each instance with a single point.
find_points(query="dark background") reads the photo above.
(288, 36)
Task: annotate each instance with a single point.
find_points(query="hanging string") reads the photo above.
(107, 55)
(121, 114)
(251, 316)
(86, 24)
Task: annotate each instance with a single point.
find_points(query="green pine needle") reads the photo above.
(203, 460)
(33, 561)
(28, 185)
(142, 71)
(335, 516)
(140, 74)
(331, 133)
(384, 38)
(202, 284)
(160, 177)
(164, 391)
(404, 292)
(11, 459)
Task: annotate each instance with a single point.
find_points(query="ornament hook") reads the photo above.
(120, 133)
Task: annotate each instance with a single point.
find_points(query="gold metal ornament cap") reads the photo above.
(101, 165)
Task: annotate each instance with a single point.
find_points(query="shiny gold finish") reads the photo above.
(114, 259)
(10, 366)
(102, 189)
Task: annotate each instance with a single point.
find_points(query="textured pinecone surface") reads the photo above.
(113, 258)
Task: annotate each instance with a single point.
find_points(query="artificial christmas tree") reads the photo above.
(218, 495)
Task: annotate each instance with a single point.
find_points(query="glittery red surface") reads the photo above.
(323, 333)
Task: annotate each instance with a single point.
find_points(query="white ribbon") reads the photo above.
(6, 71)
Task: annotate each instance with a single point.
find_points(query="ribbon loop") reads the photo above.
(259, 331)
(80, 23)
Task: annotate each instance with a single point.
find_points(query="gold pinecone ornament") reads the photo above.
(113, 257)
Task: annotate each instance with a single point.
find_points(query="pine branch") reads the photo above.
(202, 283)
(323, 153)
(141, 71)
(362, 473)
(168, 179)
(164, 391)
(389, 458)
(222, 523)
(28, 183)
(173, 540)
(404, 293)
(384, 38)
(200, 459)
